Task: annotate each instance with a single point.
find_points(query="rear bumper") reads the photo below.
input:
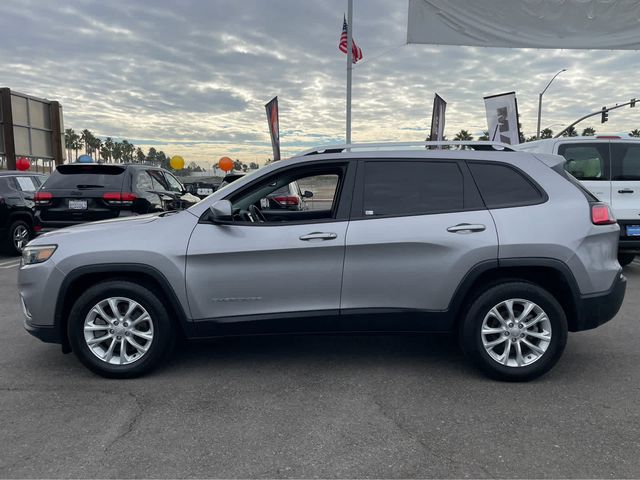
(594, 310)
(625, 245)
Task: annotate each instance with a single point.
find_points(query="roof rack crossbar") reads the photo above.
(338, 148)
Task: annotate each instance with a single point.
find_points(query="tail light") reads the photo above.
(42, 198)
(287, 200)
(118, 198)
(37, 228)
(601, 214)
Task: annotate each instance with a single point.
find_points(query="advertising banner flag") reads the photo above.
(437, 119)
(274, 126)
(502, 118)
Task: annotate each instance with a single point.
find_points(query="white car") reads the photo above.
(609, 167)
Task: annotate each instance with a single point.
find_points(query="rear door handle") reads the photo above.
(319, 236)
(625, 191)
(466, 228)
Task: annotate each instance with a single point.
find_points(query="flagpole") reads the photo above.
(349, 66)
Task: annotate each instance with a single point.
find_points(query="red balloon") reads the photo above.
(22, 164)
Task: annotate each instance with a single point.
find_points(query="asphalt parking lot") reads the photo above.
(327, 406)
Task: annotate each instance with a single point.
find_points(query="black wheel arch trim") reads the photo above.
(115, 269)
(464, 288)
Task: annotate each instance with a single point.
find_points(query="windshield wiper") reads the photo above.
(89, 186)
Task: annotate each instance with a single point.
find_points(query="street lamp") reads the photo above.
(540, 99)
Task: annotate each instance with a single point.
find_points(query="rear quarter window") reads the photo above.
(503, 186)
(7, 185)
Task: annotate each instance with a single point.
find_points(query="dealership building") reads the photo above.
(30, 127)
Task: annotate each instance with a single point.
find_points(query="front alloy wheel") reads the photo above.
(118, 330)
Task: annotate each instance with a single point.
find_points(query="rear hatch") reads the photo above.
(82, 193)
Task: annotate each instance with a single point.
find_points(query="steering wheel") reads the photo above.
(257, 213)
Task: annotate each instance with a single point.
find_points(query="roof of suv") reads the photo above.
(18, 173)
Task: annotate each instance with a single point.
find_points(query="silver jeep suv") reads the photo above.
(504, 248)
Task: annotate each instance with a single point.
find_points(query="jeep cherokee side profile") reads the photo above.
(503, 248)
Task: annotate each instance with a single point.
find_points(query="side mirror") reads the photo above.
(221, 211)
(307, 194)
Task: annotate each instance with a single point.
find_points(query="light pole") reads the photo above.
(540, 100)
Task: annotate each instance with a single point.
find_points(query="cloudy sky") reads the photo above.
(192, 77)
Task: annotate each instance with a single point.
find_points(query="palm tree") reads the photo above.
(77, 145)
(127, 151)
(463, 136)
(96, 143)
(70, 138)
(588, 132)
(570, 132)
(546, 133)
(117, 152)
(140, 155)
(634, 133)
(86, 137)
(485, 136)
(108, 144)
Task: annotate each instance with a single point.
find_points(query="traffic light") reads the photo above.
(605, 115)
(632, 103)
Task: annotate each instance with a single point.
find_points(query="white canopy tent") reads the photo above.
(579, 24)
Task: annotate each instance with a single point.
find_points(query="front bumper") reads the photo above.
(46, 334)
(594, 310)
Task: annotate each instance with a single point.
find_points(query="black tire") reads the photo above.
(625, 259)
(163, 328)
(10, 246)
(471, 337)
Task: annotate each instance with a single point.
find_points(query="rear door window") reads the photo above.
(587, 161)
(159, 182)
(412, 187)
(503, 186)
(625, 161)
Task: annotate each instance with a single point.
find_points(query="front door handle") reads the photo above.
(466, 228)
(626, 190)
(319, 236)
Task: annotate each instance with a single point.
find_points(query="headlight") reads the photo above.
(37, 254)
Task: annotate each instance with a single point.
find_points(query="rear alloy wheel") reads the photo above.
(625, 259)
(19, 236)
(120, 329)
(514, 331)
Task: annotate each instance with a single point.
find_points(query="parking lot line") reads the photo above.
(13, 260)
(4, 265)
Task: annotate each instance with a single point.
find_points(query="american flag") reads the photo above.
(356, 52)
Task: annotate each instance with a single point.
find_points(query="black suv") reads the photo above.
(87, 192)
(16, 208)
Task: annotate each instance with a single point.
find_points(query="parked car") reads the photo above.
(86, 192)
(503, 248)
(609, 166)
(16, 208)
(200, 189)
(287, 197)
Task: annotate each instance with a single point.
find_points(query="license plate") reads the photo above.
(77, 204)
(633, 230)
(205, 191)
